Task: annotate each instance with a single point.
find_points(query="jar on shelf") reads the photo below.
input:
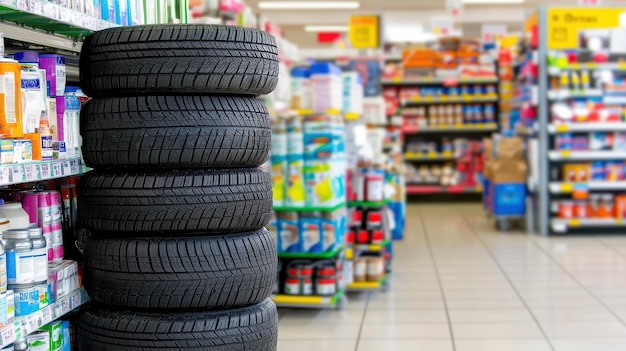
(40, 254)
(20, 269)
(326, 281)
(299, 279)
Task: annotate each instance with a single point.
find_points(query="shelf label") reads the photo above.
(37, 171)
(5, 175)
(397, 79)
(57, 169)
(432, 154)
(75, 301)
(22, 5)
(18, 174)
(480, 126)
(67, 168)
(566, 153)
(45, 171)
(428, 98)
(447, 154)
(574, 223)
(416, 98)
(75, 164)
(8, 334)
(443, 98)
(561, 128)
(29, 171)
(567, 187)
(619, 221)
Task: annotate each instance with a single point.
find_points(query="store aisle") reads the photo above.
(460, 285)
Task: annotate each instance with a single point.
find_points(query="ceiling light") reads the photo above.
(493, 1)
(308, 5)
(326, 28)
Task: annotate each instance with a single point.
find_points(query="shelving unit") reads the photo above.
(372, 247)
(445, 128)
(560, 80)
(421, 156)
(319, 256)
(369, 204)
(436, 189)
(427, 100)
(23, 326)
(439, 80)
(308, 209)
(338, 301)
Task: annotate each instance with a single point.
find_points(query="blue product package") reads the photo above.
(311, 234)
(598, 170)
(288, 233)
(330, 231)
(370, 71)
(66, 340)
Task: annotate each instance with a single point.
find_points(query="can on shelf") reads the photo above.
(326, 283)
(300, 272)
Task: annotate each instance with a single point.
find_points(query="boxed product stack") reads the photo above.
(506, 177)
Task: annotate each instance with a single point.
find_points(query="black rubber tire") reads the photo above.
(178, 59)
(244, 329)
(177, 202)
(214, 272)
(175, 132)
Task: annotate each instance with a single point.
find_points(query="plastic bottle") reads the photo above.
(40, 254)
(20, 269)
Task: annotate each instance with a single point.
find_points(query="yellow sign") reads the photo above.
(364, 32)
(565, 25)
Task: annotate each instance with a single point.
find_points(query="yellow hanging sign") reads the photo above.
(364, 32)
(565, 25)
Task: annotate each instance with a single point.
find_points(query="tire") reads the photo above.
(178, 202)
(215, 272)
(175, 132)
(178, 59)
(249, 328)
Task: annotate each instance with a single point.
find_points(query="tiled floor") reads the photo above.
(460, 285)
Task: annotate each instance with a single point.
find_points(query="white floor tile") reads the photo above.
(491, 315)
(409, 316)
(404, 345)
(502, 345)
(559, 329)
(316, 345)
(589, 344)
(496, 330)
(406, 330)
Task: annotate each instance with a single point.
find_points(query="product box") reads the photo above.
(55, 333)
(279, 180)
(508, 171)
(4, 316)
(42, 146)
(326, 86)
(310, 234)
(288, 228)
(6, 151)
(22, 151)
(66, 336)
(295, 192)
(10, 296)
(39, 341)
(62, 279)
(319, 183)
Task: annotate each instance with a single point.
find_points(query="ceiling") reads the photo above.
(402, 12)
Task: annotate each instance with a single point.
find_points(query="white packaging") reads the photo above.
(326, 87)
(39, 341)
(32, 104)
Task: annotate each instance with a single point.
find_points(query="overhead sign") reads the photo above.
(565, 25)
(493, 32)
(365, 32)
(443, 26)
(590, 2)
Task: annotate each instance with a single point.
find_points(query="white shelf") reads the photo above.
(587, 127)
(568, 188)
(567, 155)
(439, 80)
(47, 24)
(39, 170)
(555, 71)
(23, 326)
(559, 225)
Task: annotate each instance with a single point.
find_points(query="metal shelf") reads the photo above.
(438, 80)
(559, 225)
(23, 326)
(568, 155)
(556, 71)
(470, 128)
(430, 156)
(438, 189)
(309, 208)
(323, 255)
(568, 188)
(559, 95)
(338, 301)
(587, 127)
(39, 170)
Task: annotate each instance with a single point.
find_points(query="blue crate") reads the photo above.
(508, 199)
(487, 200)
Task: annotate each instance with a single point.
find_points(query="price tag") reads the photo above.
(75, 301)
(8, 334)
(47, 315)
(593, 65)
(432, 154)
(443, 98)
(36, 7)
(480, 126)
(574, 65)
(458, 125)
(50, 10)
(574, 223)
(66, 15)
(5, 175)
(397, 79)
(429, 98)
(57, 169)
(619, 221)
(567, 187)
(447, 154)
(29, 171)
(75, 166)
(566, 153)
(621, 65)
(17, 174)
(467, 98)
(37, 171)
(22, 5)
(67, 168)
(45, 171)
(562, 128)
(65, 305)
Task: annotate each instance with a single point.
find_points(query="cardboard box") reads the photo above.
(510, 149)
(507, 171)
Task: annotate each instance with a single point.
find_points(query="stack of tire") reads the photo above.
(179, 258)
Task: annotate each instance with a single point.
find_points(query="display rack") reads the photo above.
(382, 285)
(319, 256)
(309, 208)
(435, 189)
(23, 326)
(576, 189)
(39, 170)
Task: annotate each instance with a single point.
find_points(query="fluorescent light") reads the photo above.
(493, 1)
(308, 5)
(326, 28)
